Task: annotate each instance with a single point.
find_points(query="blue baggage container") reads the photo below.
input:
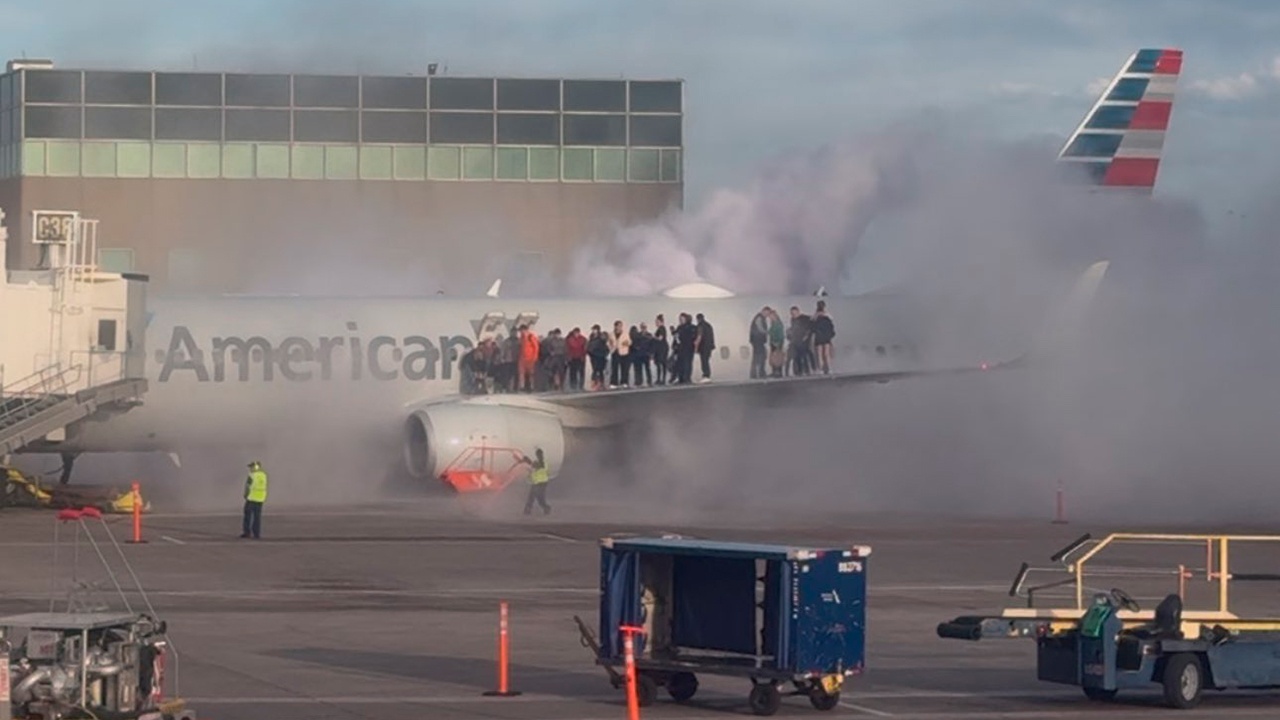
(772, 613)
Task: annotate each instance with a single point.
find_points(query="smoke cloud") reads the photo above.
(1162, 410)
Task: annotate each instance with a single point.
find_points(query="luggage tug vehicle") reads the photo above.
(1105, 642)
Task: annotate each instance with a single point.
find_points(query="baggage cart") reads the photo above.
(775, 615)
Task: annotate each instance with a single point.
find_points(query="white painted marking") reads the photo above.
(495, 540)
(561, 538)
(358, 592)
(864, 709)
(392, 700)
(173, 540)
(937, 588)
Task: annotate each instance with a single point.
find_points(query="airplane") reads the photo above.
(223, 371)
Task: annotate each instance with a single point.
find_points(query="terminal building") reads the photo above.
(231, 182)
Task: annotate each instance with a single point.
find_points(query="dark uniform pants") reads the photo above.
(538, 493)
(252, 519)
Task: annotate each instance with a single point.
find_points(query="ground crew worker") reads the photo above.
(255, 495)
(538, 479)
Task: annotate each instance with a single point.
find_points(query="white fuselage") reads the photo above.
(224, 370)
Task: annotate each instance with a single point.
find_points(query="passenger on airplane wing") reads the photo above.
(487, 365)
(471, 373)
(777, 344)
(641, 349)
(824, 331)
(685, 335)
(529, 347)
(801, 337)
(620, 373)
(661, 348)
(759, 339)
(508, 355)
(575, 346)
(705, 344)
(557, 359)
(598, 351)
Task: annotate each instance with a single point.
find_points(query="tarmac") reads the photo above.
(391, 612)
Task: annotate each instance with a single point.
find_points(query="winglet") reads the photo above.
(494, 288)
(1065, 324)
(1118, 145)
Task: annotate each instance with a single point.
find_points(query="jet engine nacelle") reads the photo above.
(436, 435)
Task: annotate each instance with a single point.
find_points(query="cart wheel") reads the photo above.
(681, 686)
(1183, 681)
(822, 700)
(764, 699)
(646, 689)
(1100, 694)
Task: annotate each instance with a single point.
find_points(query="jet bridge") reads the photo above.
(72, 335)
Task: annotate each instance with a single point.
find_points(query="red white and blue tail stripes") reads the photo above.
(1119, 142)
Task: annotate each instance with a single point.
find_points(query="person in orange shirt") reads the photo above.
(528, 358)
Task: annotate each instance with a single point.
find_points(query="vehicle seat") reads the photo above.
(1167, 624)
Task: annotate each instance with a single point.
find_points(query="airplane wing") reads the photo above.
(458, 439)
(606, 408)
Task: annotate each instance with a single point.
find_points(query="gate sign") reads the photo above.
(52, 227)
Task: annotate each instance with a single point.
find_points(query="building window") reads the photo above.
(595, 95)
(394, 93)
(655, 130)
(461, 127)
(528, 129)
(258, 90)
(265, 125)
(595, 129)
(117, 123)
(106, 335)
(444, 163)
(188, 89)
(544, 163)
(643, 166)
(51, 86)
(655, 96)
(308, 162)
(611, 164)
(52, 122)
(331, 91)
(513, 163)
(116, 260)
(326, 126)
(117, 88)
(461, 93)
(393, 127)
(579, 164)
(528, 95)
(189, 124)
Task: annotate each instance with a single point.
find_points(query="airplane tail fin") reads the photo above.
(1119, 142)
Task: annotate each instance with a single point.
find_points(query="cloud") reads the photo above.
(1238, 87)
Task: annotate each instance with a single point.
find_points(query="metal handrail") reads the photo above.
(1217, 567)
(48, 382)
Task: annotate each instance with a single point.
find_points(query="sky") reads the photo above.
(763, 79)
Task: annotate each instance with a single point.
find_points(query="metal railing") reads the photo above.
(26, 397)
(1080, 562)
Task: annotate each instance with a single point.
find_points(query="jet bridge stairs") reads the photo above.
(46, 402)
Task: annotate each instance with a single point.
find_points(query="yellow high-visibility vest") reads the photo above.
(257, 487)
(539, 476)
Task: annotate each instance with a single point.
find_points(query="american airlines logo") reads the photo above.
(301, 359)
